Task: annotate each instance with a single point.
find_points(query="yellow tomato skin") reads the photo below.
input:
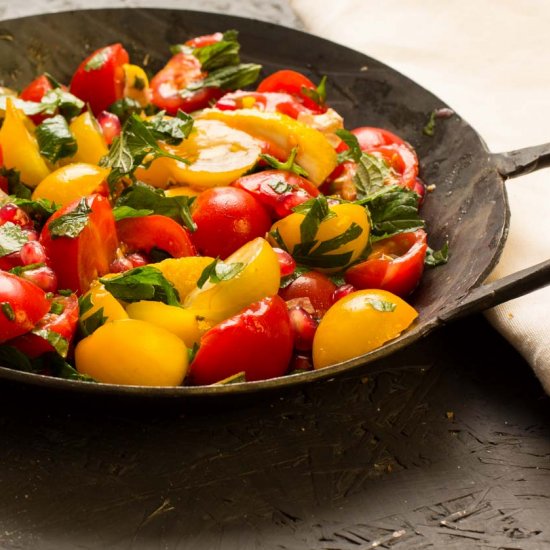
(19, 147)
(315, 152)
(217, 154)
(102, 298)
(136, 84)
(182, 190)
(354, 326)
(132, 352)
(346, 215)
(89, 139)
(181, 322)
(259, 278)
(71, 182)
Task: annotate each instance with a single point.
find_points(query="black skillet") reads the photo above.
(468, 209)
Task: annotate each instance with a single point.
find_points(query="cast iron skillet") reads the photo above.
(468, 208)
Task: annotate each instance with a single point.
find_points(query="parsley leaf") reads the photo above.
(72, 223)
(58, 342)
(372, 174)
(354, 150)
(142, 283)
(218, 271)
(437, 257)
(12, 238)
(289, 165)
(232, 77)
(55, 140)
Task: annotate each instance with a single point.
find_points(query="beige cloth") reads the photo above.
(489, 61)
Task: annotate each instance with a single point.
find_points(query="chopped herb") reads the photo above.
(233, 77)
(316, 211)
(14, 359)
(384, 306)
(7, 310)
(289, 165)
(280, 187)
(142, 283)
(12, 238)
(220, 54)
(20, 269)
(192, 352)
(97, 60)
(60, 368)
(58, 99)
(172, 130)
(233, 379)
(52, 80)
(122, 212)
(125, 107)
(15, 187)
(372, 174)
(72, 223)
(39, 210)
(92, 322)
(437, 257)
(139, 83)
(57, 308)
(65, 292)
(58, 342)
(298, 272)
(218, 271)
(429, 129)
(319, 94)
(354, 149)
(55, 139)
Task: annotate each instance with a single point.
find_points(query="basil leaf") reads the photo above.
(52, 80)
(61, 369)
(57, 99)
(97, 61)
(14, 359)
(141, 197)
(393, 210)
(15, 187)
(280, 187)
(72, 223)
(350, 234)
(220, 54)
(372, 174)
(12, 238)
(316, 210)
(142, 283)
(289, 165)
(319, 94)
(437, 257)
(354, 149)
(172, 130)
(233, 77)
(125, 107)
(384, 306)
(58, 342)
(39, 210)
(55, 140)
(218, 271)
(122, 212)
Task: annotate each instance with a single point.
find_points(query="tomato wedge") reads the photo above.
(145, 233)
(22, 305)
(99, 79)
(79, 260)
(395, 264)
(35, 91)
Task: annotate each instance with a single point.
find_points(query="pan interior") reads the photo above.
(467, 208)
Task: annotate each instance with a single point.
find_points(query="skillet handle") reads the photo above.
(492, 294)
(522, 161)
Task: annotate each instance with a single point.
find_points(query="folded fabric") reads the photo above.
(483, 59)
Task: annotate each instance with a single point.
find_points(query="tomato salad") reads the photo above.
(188, 229)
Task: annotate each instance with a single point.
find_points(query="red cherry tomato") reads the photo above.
(287, 264)
(370, 137)
(35, 91)
(293, 83)
(177, 74)
(22, 305)
(277, 190)
(155, 231)
(258, 341)
(313, 285)
(402, 159)
(64, 324)
(79, 260)
(395, 264)
(227, 218)
(99, 79)
(204, 40)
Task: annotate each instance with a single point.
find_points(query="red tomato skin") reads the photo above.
(204, 40)
(166, 85)
(35, 91)
(102, 86)
(28, 302)
(155, 231)
(400, 275)
(261, 186)
(258, 341)
(227, 218)
(78, 261)
(369, 137)
(64, 324)
(313, 285)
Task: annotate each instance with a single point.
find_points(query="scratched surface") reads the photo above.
(452, 453)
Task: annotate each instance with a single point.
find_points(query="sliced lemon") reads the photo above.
(315, 153)
(258, 278)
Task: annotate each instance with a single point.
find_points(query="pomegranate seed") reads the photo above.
(137, 260)
(44, 277)
(342, 292)
(120, 265)
(287, 264)
(32, 252)
(110, 125)
(11, 213)
(303, 327)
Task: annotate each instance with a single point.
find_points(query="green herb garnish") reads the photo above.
(72, 223)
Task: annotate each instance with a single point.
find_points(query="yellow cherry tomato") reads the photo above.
(89, 139)
(359, 323)
(217, 154)
(71, 182)
(101, 298)
(182, 190)
(136, 84)
(181, 322)
(19, 146)
(344, 216)
(315, 153)
(183, 273)
(258, 278)
(132, 352)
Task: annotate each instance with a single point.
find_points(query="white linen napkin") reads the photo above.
(489, 61)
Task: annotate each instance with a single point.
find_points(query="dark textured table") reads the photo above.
(452, 451)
